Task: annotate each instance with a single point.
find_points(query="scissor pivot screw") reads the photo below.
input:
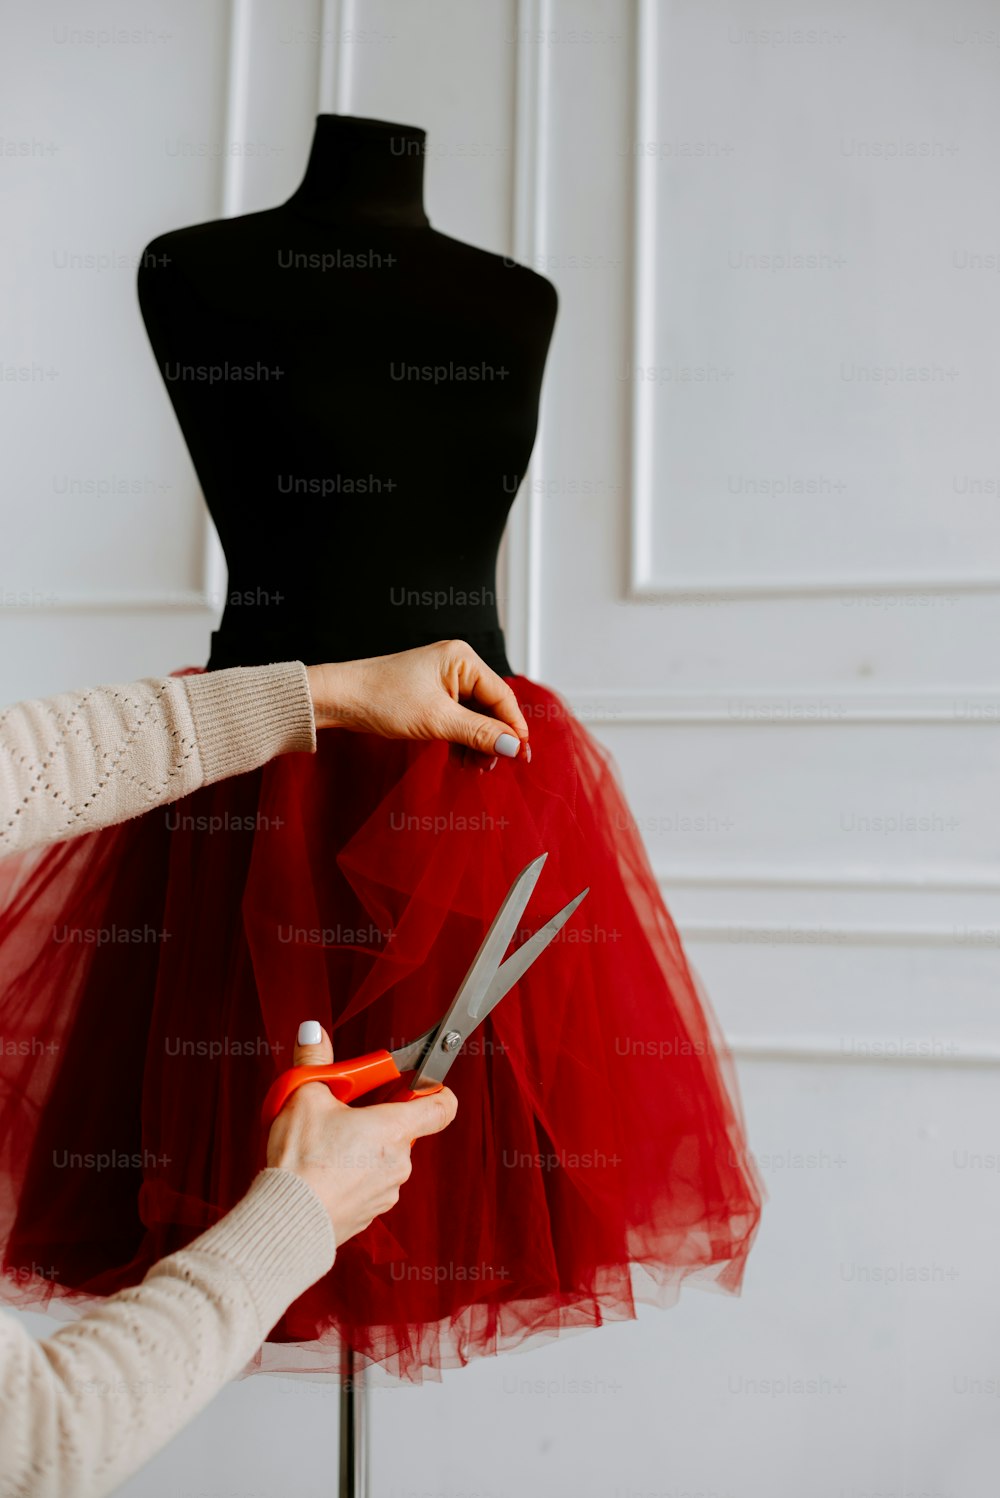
(451, 1041)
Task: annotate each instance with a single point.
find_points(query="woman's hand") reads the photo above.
(418, 694)
(355, 1159)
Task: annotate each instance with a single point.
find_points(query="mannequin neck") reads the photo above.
(364, 172)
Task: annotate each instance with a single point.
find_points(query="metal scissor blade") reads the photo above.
(463, 1016)
(518, 963)
(409, 1056)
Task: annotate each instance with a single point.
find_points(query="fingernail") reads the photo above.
(310, 1032)
(527, 753)
(507, 745)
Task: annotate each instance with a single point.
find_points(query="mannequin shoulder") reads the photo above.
(523, 283)
(197, 251)
(535, 284)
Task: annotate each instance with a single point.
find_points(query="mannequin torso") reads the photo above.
(359, 394)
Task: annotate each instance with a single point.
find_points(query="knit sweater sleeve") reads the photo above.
(82, 1410)
(83, 760)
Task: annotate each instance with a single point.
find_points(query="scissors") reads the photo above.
(430, 1057)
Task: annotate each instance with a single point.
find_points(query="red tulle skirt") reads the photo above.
(152, 977)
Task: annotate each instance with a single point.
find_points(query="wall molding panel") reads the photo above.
(797, 708)
(521, 567)
(643, 583)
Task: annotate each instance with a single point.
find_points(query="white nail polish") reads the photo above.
(507, 745)
(310, 1032)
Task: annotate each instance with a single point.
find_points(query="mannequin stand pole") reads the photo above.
(354, 1467)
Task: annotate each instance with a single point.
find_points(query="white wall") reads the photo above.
(800, 686)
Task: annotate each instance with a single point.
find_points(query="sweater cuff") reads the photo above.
(246, 715)
(279, 1238)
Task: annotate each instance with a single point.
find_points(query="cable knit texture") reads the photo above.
(83, 760)
(84, 1409)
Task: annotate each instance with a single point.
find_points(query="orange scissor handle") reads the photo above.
(347, 1080)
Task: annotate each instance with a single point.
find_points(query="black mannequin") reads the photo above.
(359, 395)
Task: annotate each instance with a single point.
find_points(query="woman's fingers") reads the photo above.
(313, 1047)
(354, 1159)
(419, 1116)
(442, 691)
(465, 675)
(484, 735)
(486, 687)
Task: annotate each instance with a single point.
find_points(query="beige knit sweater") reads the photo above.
(82, 1410)
(83, 760)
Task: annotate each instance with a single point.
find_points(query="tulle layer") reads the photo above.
(152, 978)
